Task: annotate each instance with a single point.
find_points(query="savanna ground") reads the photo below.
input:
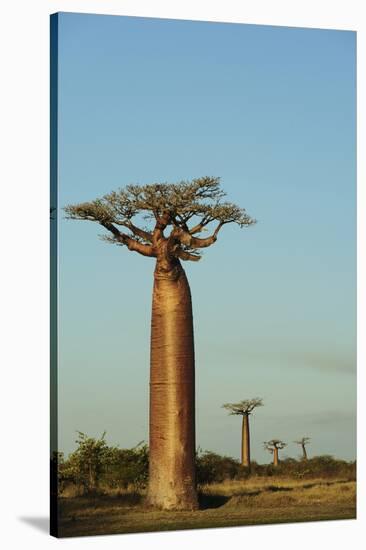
(253, 501)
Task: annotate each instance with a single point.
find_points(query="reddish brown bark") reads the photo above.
(245, 443)
(172, 389)
(304, 453)
(275, 456)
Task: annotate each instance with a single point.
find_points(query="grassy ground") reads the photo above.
(232, 503)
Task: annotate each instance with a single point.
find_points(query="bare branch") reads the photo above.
(198, 228)
(185, 237)
(132, 244)
(184, 255)
(137, 231)
(303, 441)
(197, 242)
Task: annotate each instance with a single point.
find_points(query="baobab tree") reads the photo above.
(273, 446)
(303, 442)
(177, 214)
(244, 408)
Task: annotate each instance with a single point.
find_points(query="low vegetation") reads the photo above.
(257, 500)
(94, 467)
(212, 467)
(102, 489)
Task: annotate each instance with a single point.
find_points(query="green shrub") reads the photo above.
(95, 465)
(128, 467)
(212, 467)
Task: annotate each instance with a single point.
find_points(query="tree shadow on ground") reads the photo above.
(211, 501)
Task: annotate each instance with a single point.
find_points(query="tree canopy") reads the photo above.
(303, 441)
(244, 407)
(186, 208)
(274, 444)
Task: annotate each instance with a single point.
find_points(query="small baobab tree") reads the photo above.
(244, 409)
(176, 215)
(273, 447)
(303, 442)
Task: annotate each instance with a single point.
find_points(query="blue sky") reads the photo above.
(271, 110)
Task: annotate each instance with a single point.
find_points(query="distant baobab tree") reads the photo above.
(273, 446)
(303, 442)
(244, 408)
(177, 214)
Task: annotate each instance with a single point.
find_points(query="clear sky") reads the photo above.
(271, 110)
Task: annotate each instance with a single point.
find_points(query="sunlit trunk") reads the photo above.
(275, 457)
(304, 453)
(172, 409)
(245, 442)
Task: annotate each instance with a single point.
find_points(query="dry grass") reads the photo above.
(249, 502)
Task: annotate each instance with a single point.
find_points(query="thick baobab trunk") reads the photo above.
(245, 442)
(172, 409)
(304, 453)
(275, 456)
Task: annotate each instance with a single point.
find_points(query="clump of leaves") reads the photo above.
(187, 208)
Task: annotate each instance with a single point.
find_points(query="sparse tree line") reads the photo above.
(96, 467)
(245, 408)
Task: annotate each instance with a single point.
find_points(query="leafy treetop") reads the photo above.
(245, 407)
(186, 207)
(274, 444)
